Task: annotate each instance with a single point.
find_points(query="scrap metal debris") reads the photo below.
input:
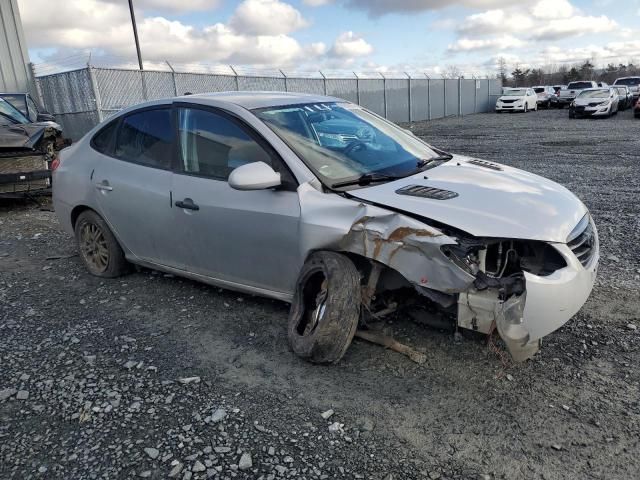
(386, 341)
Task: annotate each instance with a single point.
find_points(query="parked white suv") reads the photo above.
(517, 100)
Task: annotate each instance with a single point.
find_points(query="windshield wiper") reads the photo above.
(366, 179)
(423, 162)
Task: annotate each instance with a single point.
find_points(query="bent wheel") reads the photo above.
(325, 310)
(99, 249)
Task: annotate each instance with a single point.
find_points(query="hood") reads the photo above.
(27, 136)
(492, 200)
(587, 101)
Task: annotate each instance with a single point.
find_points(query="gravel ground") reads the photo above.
(152, 376)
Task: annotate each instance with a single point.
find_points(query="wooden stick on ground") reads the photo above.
(388, 342)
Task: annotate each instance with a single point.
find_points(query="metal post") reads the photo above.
(135, 34)
(475, 93)
(357, 88)
(428, 97)
(459, 96)
(96, 92)
(236, 75)
(173, 77)
(409, 98)
(444, 83)
(285, 80)
(36, 84)
(324, 82)
(384, 93)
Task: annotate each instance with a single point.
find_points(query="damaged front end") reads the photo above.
(524, 289)
(26, 151)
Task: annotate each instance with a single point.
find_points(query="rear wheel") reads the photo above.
(99, 249)
(326, 308)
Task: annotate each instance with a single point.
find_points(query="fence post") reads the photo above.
(409, 98)
(173, 77)
(236, 76)
(324, 81)
(384, 93)
(459, 96)
(96, 92)
(428, 96)
(357, 88)
(444, 89)
(286, 88)
(36, 84)
(475, 94)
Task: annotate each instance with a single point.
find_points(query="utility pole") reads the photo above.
(135, 34)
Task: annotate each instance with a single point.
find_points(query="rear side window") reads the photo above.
(103, 140)
(146, 138)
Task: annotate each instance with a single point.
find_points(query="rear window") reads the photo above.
(539, 90)
(103, 140)
(146, 138)
(628, 81)
(579, 85)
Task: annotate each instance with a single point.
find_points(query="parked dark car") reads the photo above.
(625, 96)
(26, 151)
(28, 107)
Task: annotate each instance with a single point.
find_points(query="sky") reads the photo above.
(430, 36)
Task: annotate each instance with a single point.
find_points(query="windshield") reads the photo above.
(579, 85)
(594, 94)
(539, 89)
(516, 92)
(628, 81)
(341, 141)
(17, 100)
(9, 115)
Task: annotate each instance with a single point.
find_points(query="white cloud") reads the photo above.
(495, 21)
(349, 45)
(382, 7)
(317, 3)
(104, 28)
(495, 43)
(171, 5)
(548, 9)
(266, 17)
(574, 26)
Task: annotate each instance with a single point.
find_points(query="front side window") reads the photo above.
(32, 109)
(146, 138)
(341, 141)
(213, 145)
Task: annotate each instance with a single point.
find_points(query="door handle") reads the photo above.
(104, 186)
(187, 204)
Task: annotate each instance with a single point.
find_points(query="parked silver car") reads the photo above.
(319, 202)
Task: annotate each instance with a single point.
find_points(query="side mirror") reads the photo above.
(45, 117)
(254, 176)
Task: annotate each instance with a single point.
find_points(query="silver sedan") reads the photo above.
(321, 203)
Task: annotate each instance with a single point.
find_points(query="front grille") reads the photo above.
(508, 101)
(583, 242)
(484, 163)
(426, 192)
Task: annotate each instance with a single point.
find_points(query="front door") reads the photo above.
(242, 237)
(133, 185)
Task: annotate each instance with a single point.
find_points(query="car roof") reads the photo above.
(252, 99)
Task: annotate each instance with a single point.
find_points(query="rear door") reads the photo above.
(241, 237)
(133, 184)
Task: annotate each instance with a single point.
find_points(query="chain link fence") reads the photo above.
(82, 98)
